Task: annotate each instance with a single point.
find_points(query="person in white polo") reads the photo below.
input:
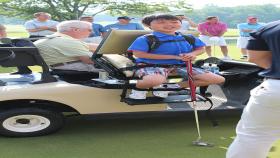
(211, 33)
(41, 26)
(244, 32)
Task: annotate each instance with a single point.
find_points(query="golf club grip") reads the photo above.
(190, 80)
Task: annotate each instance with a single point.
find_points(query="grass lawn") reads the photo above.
(129, 138)
(16, 31)
(134, 138)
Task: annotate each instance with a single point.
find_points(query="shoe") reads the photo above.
(226, 58)
(164, 94)
(161, 94)
(137, 94)
(174, 85)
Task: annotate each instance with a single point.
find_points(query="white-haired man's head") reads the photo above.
(75, 28)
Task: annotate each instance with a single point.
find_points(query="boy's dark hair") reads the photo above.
(211, 17)
(148, 19)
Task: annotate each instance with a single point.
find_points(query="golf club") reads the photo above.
(198, 141)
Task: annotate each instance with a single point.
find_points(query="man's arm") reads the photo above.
(247, 30)
(192, 24)
(85, 59)
(92, 46)
(42, 28)
(261, 58)
(222, 33)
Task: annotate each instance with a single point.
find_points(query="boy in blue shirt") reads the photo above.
(178, 51)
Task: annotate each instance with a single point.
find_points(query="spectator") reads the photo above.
(3, 32)
(41, 26)
(64, 50)
(97, 33)
(259, 126)
(174, 50)
(186, 23)
(244, 30)
(211, 33)
(124, 24)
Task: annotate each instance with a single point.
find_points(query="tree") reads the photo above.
(72, 9)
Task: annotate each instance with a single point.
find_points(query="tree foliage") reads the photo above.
(72, 9)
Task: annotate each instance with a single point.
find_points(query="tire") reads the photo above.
(29, 122)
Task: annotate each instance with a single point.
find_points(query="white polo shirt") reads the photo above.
(33, 24)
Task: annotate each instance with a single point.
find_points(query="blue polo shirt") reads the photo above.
(167, 48)
(267, 39)
(97, 29)
(129, 26)
(248, 26)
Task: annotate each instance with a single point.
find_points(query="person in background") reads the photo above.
(244, 33)
(259, 126)
(211, 33)
(3, 32)
(186, 23)
(65, 50)
(98, 30)
(41, 26)
(124, 24)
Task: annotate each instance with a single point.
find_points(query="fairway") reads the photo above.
(127, 138)
(133, 138)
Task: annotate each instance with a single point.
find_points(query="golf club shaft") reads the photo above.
(196, 120)
(193, 96)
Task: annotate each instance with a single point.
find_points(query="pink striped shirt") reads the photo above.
(213, 29)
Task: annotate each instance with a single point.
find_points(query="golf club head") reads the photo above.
(202, 144)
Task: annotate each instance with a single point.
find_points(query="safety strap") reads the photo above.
(154, 42)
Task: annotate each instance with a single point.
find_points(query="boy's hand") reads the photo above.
(188, 56)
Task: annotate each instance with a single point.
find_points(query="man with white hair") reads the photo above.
(41, 26)
(65, 50)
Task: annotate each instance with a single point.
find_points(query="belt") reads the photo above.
(65, 63)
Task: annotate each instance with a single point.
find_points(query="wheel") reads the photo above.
(28, 122)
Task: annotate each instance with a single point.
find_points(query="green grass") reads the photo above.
(130, 138)
(231, 33)
(16, 31)
(135, 138)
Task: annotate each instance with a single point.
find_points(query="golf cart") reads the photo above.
(36, 104)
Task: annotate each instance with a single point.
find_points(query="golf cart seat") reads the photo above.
(112, 54)
(112, 51)
(120, 62)
(25, 56)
